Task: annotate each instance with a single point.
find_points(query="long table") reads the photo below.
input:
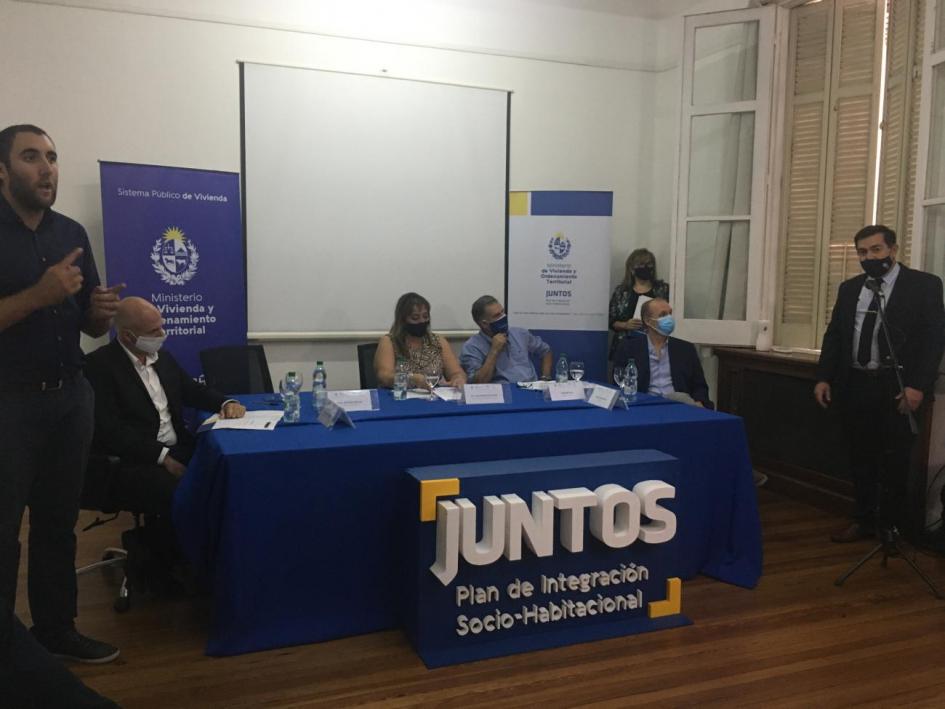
(298, 530)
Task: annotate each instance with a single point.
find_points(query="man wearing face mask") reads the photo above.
(499, 353)
(666, 365)
(140, 392)
(856, 370)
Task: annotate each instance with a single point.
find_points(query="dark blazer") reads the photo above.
(684, 366)
(126, 422)
(916, 319)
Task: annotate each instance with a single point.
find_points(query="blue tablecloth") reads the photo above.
(297, 529)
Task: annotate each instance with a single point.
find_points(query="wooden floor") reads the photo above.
(796, 640)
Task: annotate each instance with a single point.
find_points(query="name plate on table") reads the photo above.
(484, 394)
(604, 397)
(355, 399)
(573, 548)
(566, 391)
(331, 413)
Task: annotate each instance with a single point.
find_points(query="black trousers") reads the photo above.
(148, 489)
(44, 445)
(881, 445)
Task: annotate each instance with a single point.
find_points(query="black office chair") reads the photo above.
(366, 365)
(237, 369)
(96, 495)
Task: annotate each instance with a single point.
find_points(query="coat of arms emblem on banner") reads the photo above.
(174, 257)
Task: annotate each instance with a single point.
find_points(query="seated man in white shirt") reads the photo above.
(499, 353)
(140, 392)
(666, 365)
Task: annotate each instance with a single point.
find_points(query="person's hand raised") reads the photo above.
(60, 280)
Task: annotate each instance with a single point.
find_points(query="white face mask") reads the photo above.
(150, 345)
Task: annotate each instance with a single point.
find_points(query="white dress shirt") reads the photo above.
(166, 433)
(862, 307)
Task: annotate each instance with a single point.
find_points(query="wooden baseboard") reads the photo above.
(819, 497)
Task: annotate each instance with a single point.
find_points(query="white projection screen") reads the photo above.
(359, 188)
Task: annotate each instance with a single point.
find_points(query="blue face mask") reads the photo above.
(665, 325)
(500, 326)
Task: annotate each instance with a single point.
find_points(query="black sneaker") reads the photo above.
(72, 645)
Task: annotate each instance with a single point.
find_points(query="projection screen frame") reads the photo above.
(337, 336)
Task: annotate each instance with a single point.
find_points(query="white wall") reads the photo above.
(595, 101)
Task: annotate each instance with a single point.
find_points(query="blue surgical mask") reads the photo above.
(665, 325)
(500, 326)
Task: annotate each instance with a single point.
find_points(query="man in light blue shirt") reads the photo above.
(666, 365)
(499, 353)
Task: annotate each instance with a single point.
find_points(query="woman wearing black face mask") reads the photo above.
(411, 339)
(639, 279)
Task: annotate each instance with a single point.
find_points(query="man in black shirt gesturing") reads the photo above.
(49, 292)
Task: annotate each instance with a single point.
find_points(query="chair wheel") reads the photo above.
(122, 604)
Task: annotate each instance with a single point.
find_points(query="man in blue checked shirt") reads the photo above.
(499, 353)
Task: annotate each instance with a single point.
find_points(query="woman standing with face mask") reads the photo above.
(411, 339)
(639, 279)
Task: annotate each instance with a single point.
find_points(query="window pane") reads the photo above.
(716, 270)
(726, 64)
(935, 185)
(720, 158)
(935, 239)
(939, 27)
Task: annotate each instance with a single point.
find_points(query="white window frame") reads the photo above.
(726, 332)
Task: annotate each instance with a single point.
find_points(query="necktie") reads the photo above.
(864, 348)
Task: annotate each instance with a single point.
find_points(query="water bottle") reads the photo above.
(291, 404)
(631, 379)
(319, 386)
(401, 379)
(561, 368)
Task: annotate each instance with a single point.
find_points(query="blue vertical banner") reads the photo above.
(174, 236)
(559, 271)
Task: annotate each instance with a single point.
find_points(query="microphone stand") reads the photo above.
(886, 530)
(874, 286)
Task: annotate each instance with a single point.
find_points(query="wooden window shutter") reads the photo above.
(851, 140)
(804, 171)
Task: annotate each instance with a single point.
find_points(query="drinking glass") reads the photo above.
(577, 370)
(432, 374)
(620, 379)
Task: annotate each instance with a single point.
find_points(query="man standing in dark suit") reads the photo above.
(856, 368)
(140, 392)
(665, 365)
